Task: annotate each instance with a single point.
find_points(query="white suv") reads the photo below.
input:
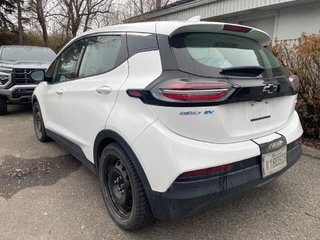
(172, 116)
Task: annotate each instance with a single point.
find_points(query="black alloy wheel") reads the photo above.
(122, 190)
(38, 124)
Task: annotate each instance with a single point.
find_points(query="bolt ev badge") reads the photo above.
(192, 113)
(270, 88)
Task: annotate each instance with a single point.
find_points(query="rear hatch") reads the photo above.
(227, 88)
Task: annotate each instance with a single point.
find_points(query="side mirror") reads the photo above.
(38, 75)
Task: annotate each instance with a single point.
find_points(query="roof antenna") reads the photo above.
(194, 19)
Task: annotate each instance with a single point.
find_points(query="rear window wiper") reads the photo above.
(247, 71)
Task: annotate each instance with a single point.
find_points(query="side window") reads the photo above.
(100, 56)
(67, 62)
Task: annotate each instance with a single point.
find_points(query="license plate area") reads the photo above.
(259, 111)
(272, 162)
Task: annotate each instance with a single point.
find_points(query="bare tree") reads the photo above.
(143, 6)
(6, 7)
(80, 13)
(20, 27)
(38, 7)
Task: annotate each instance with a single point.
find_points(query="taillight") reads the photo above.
(194, 91)
(180, 91)
(207, 171)
(295, 83)
(235, 28)
(183, 92)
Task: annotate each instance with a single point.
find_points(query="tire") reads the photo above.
(3, 106)
(122, 190)
(38, 124)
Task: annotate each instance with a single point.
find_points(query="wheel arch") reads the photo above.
(34, 100)
(106, 137)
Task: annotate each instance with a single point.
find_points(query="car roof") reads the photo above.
(174, 27)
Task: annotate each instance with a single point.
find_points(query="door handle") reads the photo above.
(104, 90)
(59, 92)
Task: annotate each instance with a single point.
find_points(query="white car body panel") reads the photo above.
(51, 113)
(68, 120)
(219, 127)
(79, 95)
(144, 68)
(165, 155)
(129, 122)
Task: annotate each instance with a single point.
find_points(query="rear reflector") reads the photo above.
(233, 28)
(134, 93)
(207, 171)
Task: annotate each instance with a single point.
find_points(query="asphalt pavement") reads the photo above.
(47, 194)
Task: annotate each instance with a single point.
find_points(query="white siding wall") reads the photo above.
(293, 21)
(291, 17)
(213, 8)
(289, 23)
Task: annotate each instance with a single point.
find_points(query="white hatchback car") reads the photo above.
(172, 116)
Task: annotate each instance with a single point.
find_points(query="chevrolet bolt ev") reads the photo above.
(16, 64)
(172, 116)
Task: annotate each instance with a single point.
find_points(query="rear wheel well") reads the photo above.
(105, 142)
(106, 137)
(34, 100)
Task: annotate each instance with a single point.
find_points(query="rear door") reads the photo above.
(89, 99)
(230, 89)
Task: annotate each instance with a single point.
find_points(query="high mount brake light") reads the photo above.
(295, 83)
(233, 28)
(206, 171)
(194, 91)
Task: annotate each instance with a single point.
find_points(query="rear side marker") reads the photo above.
(134, 93)
(206, 171)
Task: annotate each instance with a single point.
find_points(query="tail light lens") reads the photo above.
(295, 83)
(181, 91)
(207, 171)
(185, 92)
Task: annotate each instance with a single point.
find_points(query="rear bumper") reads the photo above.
(185, 198)
(18, 93)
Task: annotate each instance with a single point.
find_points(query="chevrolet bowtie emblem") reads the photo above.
(270, 88)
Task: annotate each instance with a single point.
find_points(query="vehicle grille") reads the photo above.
(22, 76)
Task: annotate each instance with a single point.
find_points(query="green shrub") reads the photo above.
(56, 41)
(303, 59)
(8, 38)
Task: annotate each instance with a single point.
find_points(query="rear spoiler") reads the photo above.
(173, 28)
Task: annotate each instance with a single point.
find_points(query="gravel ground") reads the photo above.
(46, 194)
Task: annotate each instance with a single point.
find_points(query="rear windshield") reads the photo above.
(205, 54)
(27, 54)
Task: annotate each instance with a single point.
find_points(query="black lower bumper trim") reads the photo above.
(185, 198)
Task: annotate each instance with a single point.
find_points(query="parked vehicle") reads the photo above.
(172, 116)
(16, 64)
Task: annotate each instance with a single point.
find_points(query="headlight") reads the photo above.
(4, 78)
